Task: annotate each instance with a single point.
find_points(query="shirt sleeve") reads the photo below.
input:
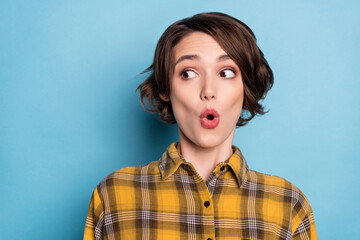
(95, 218)
(303, 220)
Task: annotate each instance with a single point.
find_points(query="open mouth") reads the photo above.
(210, 117)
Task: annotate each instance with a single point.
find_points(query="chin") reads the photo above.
(204, 139)
(209, 141)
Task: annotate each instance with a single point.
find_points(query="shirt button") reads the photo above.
(206, 203)
(222, 168)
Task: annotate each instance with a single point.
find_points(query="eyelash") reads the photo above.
(231, 69)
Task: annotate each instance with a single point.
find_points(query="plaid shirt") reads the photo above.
(168, 199)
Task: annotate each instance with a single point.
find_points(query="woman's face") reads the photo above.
(205, 78)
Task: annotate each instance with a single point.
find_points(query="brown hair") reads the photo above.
(237, 40)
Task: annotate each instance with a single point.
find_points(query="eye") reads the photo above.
(228, 73)
(187, 74)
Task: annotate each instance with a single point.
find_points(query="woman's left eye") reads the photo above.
(227, 73)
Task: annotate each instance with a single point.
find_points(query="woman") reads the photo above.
(208, 76)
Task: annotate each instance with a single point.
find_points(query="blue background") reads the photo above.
(69, 113)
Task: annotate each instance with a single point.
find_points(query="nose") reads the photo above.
(208, 91)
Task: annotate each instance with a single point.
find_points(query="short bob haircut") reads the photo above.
(237, 40)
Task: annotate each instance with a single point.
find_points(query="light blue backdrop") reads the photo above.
(69, 114)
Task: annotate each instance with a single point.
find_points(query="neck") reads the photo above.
(204, 159)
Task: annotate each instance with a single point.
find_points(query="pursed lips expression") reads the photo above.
(206, 90)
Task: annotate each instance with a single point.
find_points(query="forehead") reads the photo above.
(197, 43)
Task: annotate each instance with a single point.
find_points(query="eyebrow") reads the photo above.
(196, 57)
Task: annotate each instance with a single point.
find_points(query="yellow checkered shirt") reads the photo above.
(168, 199)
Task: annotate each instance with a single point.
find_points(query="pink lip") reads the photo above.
(207, 123)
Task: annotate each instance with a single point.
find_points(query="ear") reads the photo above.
(164, 97)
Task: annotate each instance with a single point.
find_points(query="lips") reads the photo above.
(209, 118)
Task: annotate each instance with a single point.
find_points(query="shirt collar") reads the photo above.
(171, 160)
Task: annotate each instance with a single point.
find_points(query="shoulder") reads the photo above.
(126, 176)
(280, 195)
(277, 188)
(268, 180)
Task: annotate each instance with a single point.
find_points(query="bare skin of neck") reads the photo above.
(204, 159)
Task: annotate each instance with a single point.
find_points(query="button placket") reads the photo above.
(207, 207)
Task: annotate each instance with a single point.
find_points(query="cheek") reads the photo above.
(181, 103)
(239, 95)
(182, 96)
(235, 95)
(239, 103)
(240, 100)
(235, 103)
